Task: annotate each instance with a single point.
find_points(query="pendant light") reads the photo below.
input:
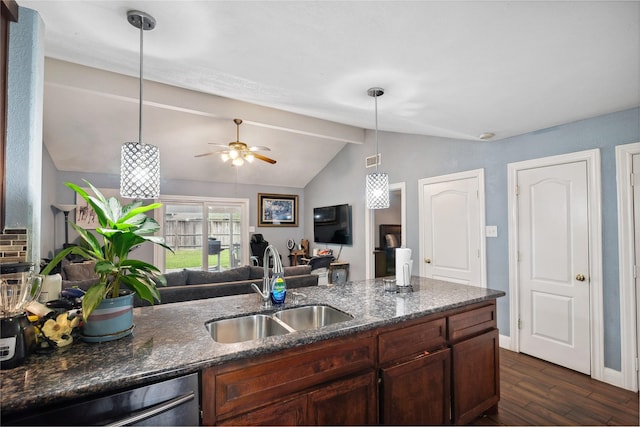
(377, 182)
(140, 162)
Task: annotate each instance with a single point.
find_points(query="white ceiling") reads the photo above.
(298, 72)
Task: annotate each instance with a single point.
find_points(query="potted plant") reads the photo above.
(122, 228)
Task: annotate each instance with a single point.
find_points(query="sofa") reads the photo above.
(187, 285)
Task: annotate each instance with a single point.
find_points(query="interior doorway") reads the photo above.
(555, 259)
(628, 187)
(452, 224)
(385, 230)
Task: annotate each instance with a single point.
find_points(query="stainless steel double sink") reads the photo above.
(256, 326)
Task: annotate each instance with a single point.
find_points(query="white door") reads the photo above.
(553, 253)
(452, 223)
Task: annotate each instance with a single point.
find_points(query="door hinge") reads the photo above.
(637, 367)
(517, 190)
(635, 271)
(519, 324)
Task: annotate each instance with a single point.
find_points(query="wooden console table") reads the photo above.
(296, 256)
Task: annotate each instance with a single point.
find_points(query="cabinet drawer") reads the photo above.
(411, 340)
(249, 385)
(472, 322)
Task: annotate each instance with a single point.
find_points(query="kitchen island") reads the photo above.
(171, 340)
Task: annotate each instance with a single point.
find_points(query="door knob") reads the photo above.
(580, 278)
(427, 260)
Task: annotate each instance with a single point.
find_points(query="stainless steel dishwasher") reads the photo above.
(174, 402)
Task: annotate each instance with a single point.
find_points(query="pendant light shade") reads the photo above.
(377, 190)
(140, 162)
(377, 182)
(140, 171)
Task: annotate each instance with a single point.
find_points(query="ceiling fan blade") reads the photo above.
(225, 146)
(205, 154)
(259, 148)
(264, 158)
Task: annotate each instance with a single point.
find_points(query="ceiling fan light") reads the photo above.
(249, 157)
(224, 157)
(238, 161)
(233, 154)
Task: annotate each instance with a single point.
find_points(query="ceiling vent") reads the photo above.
(370, 161)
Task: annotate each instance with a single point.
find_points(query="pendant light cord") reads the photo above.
(375, 98)
(140, 105)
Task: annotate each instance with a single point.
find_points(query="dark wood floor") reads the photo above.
(535, 392)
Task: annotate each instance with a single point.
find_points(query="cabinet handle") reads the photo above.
(153, 410)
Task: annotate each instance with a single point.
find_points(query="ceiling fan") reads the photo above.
(239, 152)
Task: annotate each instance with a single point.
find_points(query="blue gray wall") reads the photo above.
(409, 158)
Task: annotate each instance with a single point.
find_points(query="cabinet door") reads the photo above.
(352, 401)
(417, 392)
(476, 378)
(288, 413)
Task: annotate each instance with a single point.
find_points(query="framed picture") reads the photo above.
(277, 210)
(85, 216)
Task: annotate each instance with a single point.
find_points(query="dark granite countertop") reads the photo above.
(171, 339)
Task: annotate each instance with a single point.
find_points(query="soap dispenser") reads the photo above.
(278, 289)
(278, 284)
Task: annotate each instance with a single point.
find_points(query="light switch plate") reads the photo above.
(252, 229)
(491, 231)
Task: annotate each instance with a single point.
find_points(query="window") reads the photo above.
(208, 234)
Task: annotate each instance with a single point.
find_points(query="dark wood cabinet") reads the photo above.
(417, 392)
(476, 376)
(436, 370)
(291, 412)
(415, 374)
(320, 383)
(352, 401)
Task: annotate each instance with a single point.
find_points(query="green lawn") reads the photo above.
(192, 258)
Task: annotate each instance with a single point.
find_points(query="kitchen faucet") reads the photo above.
(277, 268)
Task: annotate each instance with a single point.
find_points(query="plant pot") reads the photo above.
(112, 320)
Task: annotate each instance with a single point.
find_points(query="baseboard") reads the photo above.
(505, 342)
(613, 377)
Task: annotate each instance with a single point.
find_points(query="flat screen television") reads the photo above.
(332, 224)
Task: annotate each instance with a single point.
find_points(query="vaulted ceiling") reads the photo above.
(297, 73)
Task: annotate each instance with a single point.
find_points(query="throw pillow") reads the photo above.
(80, 271)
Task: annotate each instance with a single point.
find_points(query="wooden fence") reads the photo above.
(187, 234)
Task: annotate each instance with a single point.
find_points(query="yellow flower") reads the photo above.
(59, 330)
